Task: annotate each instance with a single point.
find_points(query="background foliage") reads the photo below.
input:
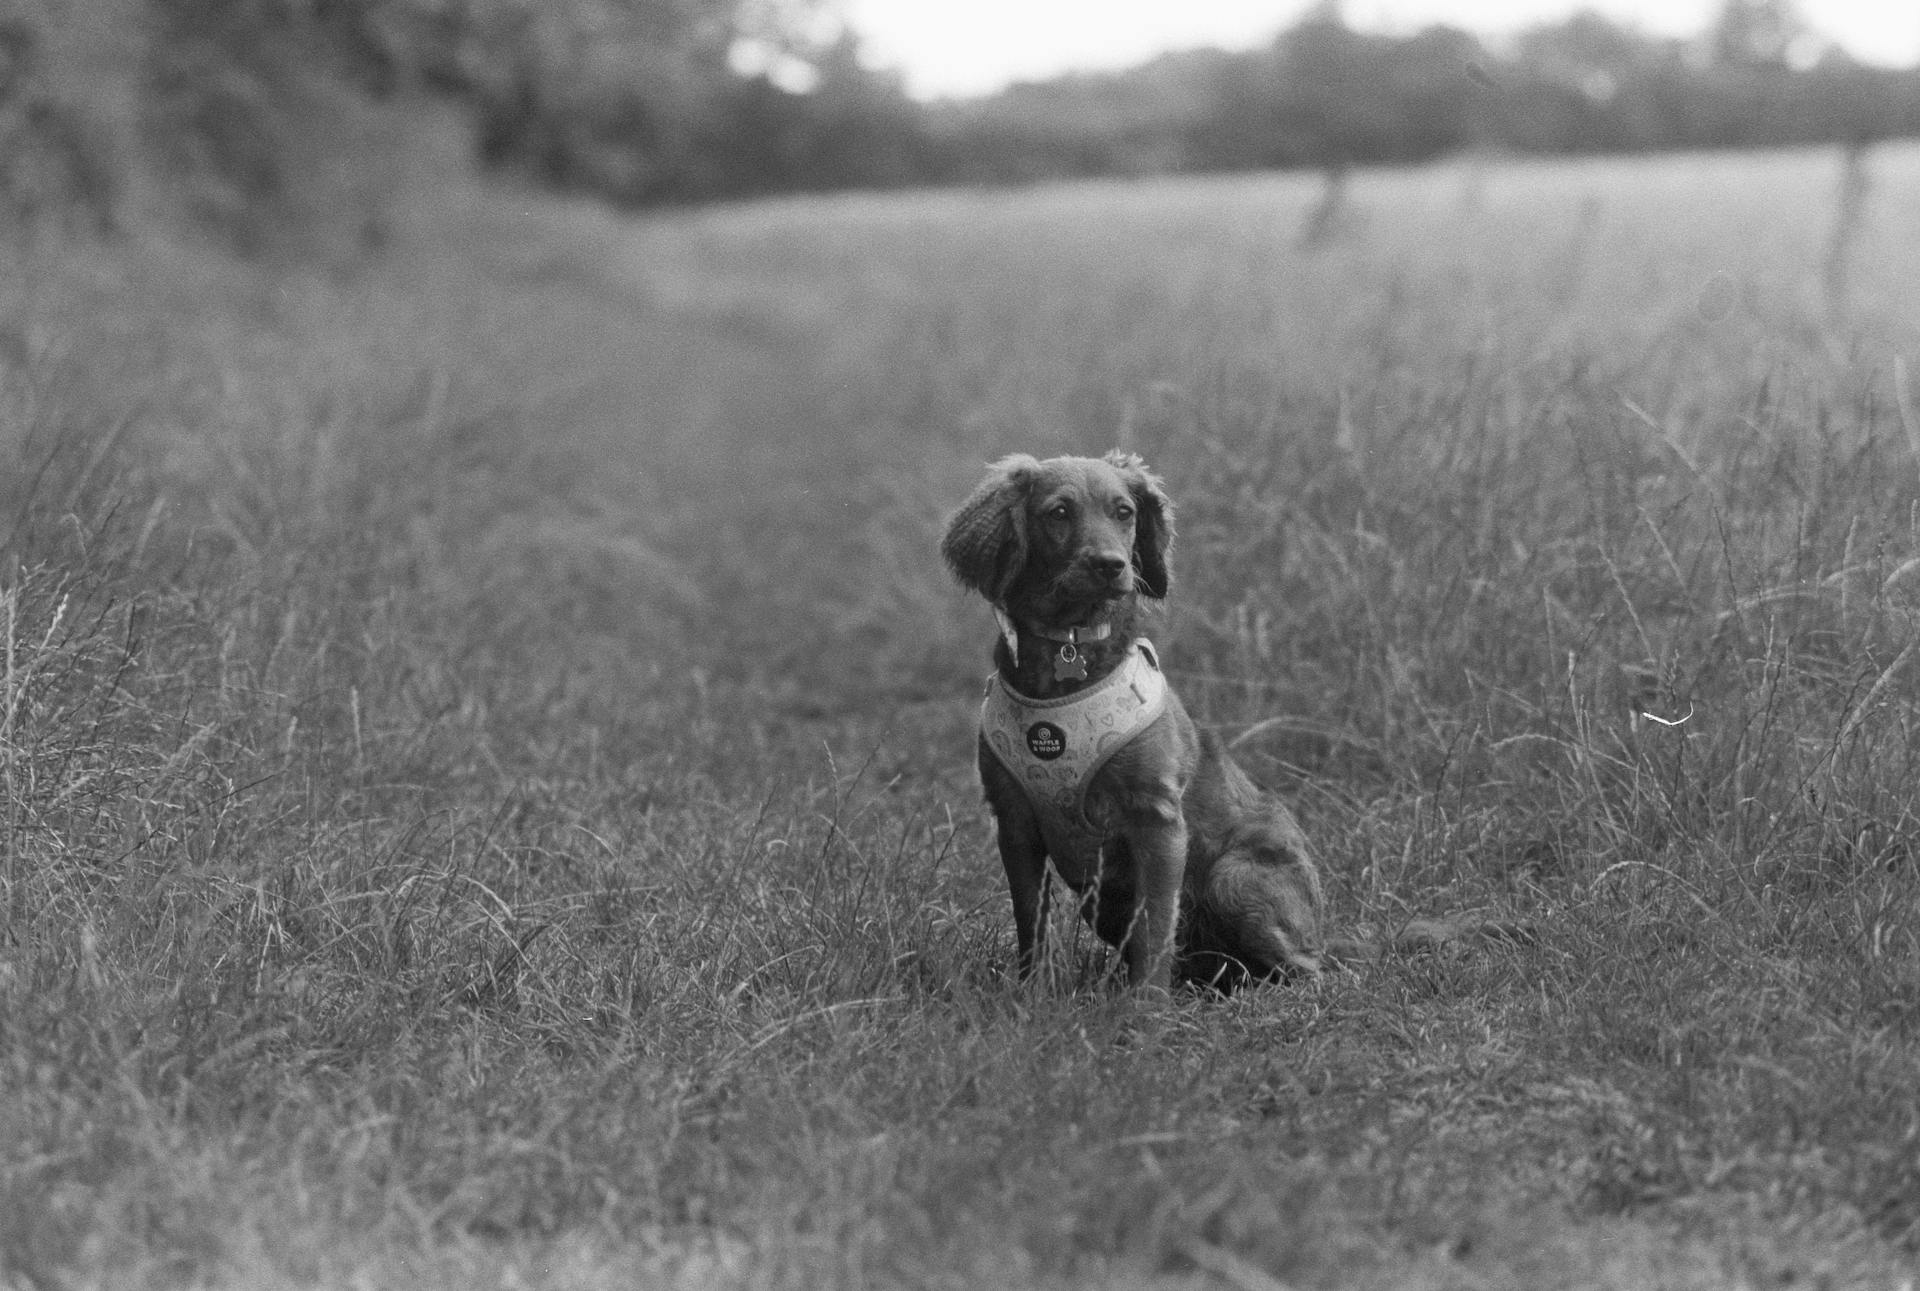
(258, 116)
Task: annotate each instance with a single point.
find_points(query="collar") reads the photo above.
(1065, 636)
(1073, 636)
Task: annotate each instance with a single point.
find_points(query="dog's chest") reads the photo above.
(1054, 748)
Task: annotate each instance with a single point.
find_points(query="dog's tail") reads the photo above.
(1428, 934)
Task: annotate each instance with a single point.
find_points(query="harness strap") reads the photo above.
(1054, 747)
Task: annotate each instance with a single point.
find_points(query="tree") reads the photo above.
(1588, 42)
(1756, 33)
(634, 99)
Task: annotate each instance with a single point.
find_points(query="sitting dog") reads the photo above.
(1088, 757)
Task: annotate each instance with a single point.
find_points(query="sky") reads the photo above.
(956, 47)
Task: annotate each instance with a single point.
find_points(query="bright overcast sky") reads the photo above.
(976, 46)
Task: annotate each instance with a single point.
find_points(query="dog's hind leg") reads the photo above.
(1255, 918)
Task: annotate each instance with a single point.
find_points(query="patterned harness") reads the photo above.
(1054, 747)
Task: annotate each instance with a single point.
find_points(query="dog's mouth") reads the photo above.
(1108, 588)
(1080, 596)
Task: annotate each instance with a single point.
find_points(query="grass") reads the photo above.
(485, 742)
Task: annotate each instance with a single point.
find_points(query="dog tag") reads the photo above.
(1068, 665)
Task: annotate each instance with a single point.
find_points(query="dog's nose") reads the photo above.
(1109, 566)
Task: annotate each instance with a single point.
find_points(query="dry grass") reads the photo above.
(484, 747)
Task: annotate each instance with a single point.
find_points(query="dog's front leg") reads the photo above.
(1156, 833)
(1024, 856)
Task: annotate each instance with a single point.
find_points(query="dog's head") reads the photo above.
(1060, 539)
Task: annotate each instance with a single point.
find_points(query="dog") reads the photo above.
(1087, 756)
(1089, 760)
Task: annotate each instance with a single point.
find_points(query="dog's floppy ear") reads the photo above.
(986, 542)
(1153, 527)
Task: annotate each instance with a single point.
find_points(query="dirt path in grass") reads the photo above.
(734, 413)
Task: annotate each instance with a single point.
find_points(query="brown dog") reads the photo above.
(1089, 759)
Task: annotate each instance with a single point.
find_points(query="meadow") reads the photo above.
(486, 741)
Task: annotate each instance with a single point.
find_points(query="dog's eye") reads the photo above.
(1060, 511)
(1123, 512)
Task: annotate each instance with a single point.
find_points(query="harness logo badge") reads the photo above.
(1046, 741)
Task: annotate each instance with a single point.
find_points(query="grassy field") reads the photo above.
(485, 741)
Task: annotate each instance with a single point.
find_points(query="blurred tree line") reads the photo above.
(256, 113)
(1323, 94)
